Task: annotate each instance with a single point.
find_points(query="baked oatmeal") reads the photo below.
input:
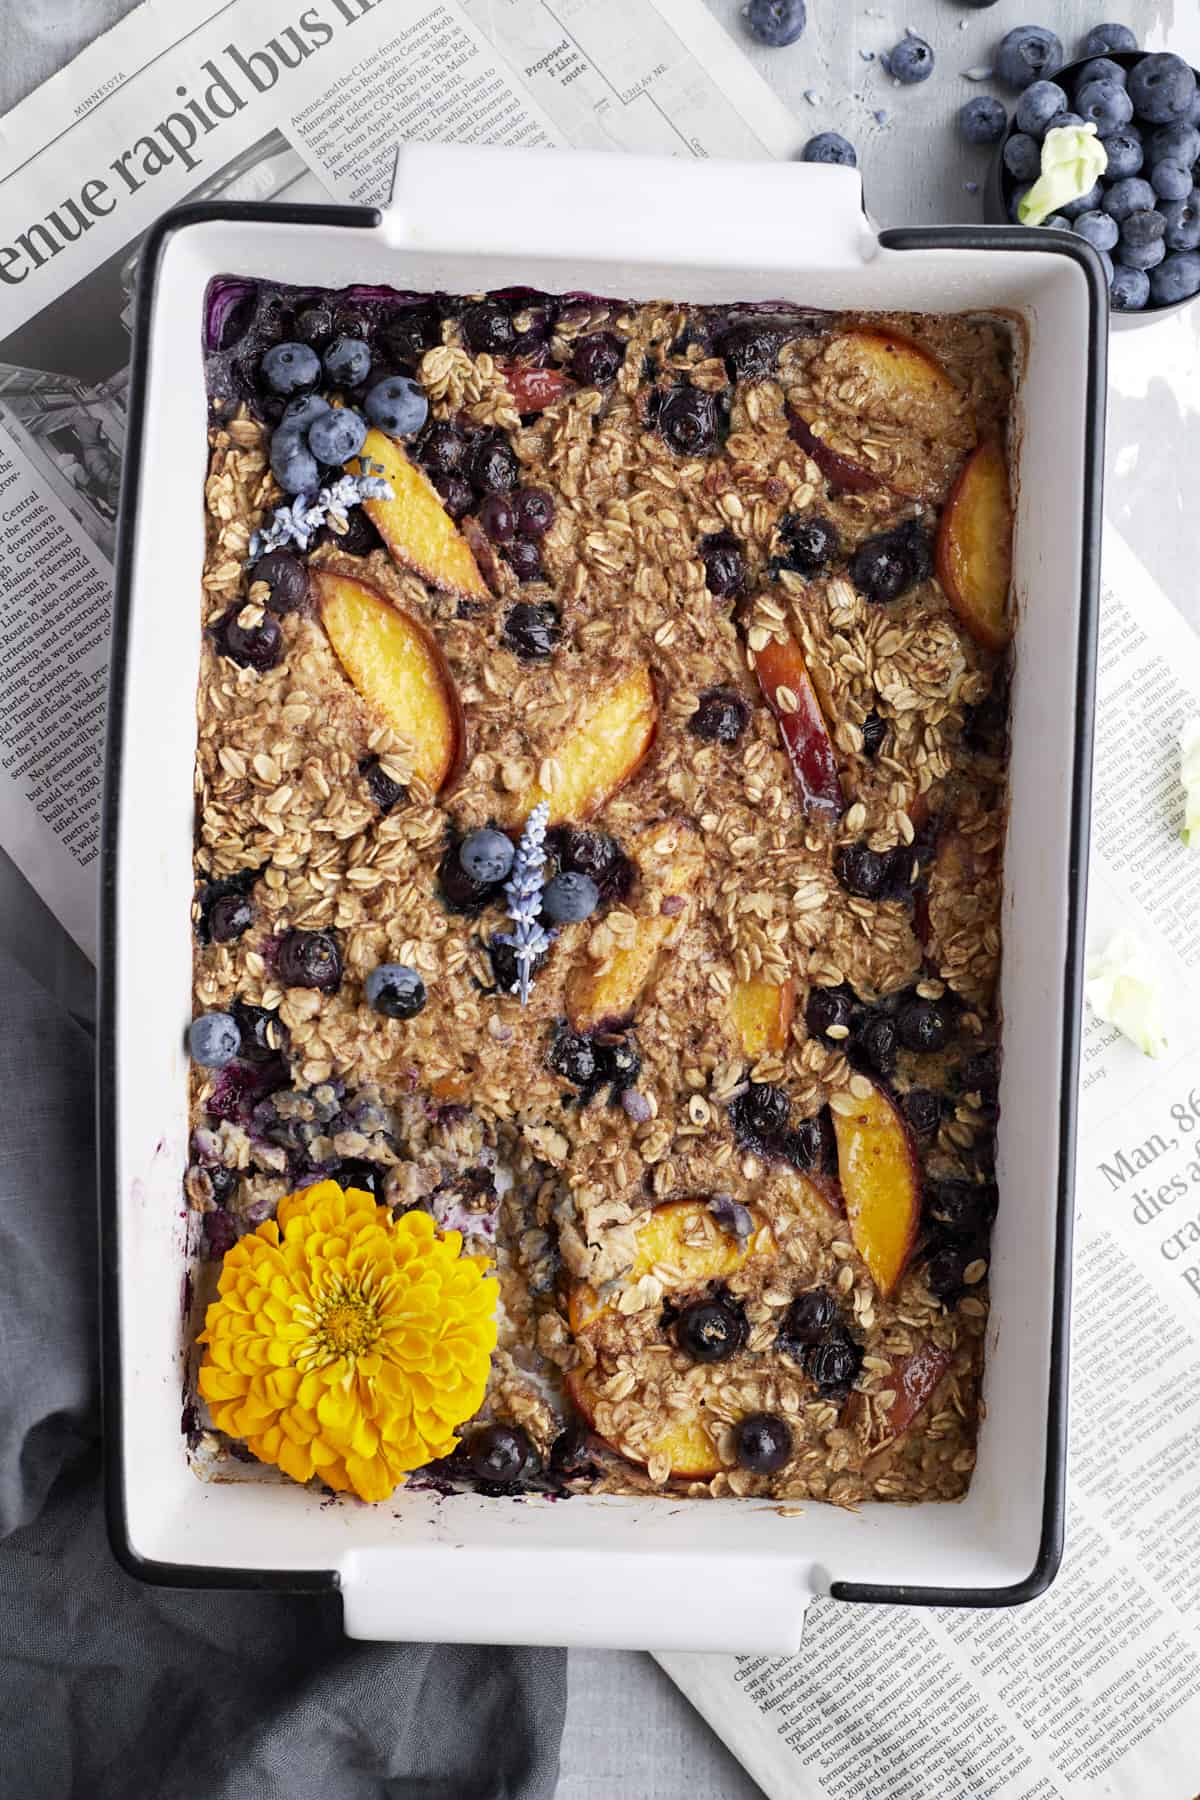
(600, 811)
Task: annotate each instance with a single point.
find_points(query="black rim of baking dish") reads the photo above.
(970, 238)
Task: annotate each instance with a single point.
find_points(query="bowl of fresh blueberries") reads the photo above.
(1143, 215)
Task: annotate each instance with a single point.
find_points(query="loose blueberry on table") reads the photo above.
(601, 739)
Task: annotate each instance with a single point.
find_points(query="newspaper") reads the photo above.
(1093, 1690)
(262, 100)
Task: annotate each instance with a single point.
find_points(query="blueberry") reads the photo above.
(533, 632)
(228, 917)
(829, 1009)
(1037, 107)
(912, 61)
(809, 544)
(347, 362)
(1162, 88)
(1125, 154)
(923, 1110)
(301, 411)
(751, 349)
(443, 448)
(982, 120)
(1179, 143)
(922, 1026)
(619, 1064)
(762, 1443)
(1183, 223)
(1124, 198)
(874, 730)
(288, 368)
(1176, 278)
(1072, 209)
(711, 1331)
(689, 421)
(395, 990)
(1130, 290)
(834, 1363)
(487, 856)
(498, 1452)
(1098, 229)
(214, 1040)
(759, 1117)
(596, 854)
(572, 1056)
(1102, 39)
(487, 327)
(261, 1032)
(525, 559)
(1101, 69)
(253, 646)
(596, 360)
(397, 405)
(534, 512)
(808, 1319)
(494, 467)
(720, 718)
(310, 959)
(724, 565)
(959, 1209)
(1026, 54)
(860, 870)
(1142, 243)
(830, 147)
(498, 517)
(1170, 181)
(945, 1271)
(292, 462)
(885, 567)
(385, 793)
(314, 325)
(286, 577)
(457, 495)
(568, 898)
(1105, 105)
(874, 1044)
(776, 23)
(1023, 157)
(337, 435)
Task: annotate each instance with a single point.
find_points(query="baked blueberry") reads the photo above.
(829, 1010)
(596, 854)
(759, 1117)
(252, 646)
(861, 870)
(397, 405)
(833, 1364)
(806, 1145)
(503, 958)
(689, 421)
(885, 567)
(384, 792)
(983, 120)
(1162, 88)
(229, 916)
(314, 326)
(720, 718)
(711, 1331)
(570, 1455)
(487, 327)
(347, 362)
(534, 512)
(596, 360)
(395, 990)
(830, 147)
(1026, 54)
(532, 631)
(573, 1056)
(290, 367)
(873, 1044)
(310, 959)
(945, 1270)
(285, 576)
(457, 494)
(750, 349)
(960, 1209)
(724, 565)
(923, 1110)
(443, 448)
(809, 544)
(568, 898)
(874, 730)
(808, 1319)
(214, 1040)
(498, 517)
(912, 61)
(337, 435)
(494, 466)
(923, 1026)
(498, 1452)
(762, 1443)
(776, 23)
(618, 1064)
(261, 1031)
(524, 558)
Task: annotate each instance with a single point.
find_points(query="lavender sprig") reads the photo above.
(299, 522)
(523, 891)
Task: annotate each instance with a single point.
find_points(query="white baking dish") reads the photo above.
(728, 1575)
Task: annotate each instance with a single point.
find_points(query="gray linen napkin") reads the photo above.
(110, 1690)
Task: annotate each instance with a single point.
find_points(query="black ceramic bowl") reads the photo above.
(1001, 186)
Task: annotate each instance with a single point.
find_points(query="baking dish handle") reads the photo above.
(572, 206)
(628, 1600)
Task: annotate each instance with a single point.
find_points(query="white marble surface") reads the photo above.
(630, 1735)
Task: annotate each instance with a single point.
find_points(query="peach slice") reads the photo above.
(902, 380)
(398, 669)
(682, 1242)
(415, 526)
(847, 477)
(788, 690)
(603, 996)
(912, 1379)
(762, 1014)
(881, 1184)
(974, 547)
(685, 1441)
(603, 750)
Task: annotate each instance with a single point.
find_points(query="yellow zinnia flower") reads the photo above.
(347, 1344)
